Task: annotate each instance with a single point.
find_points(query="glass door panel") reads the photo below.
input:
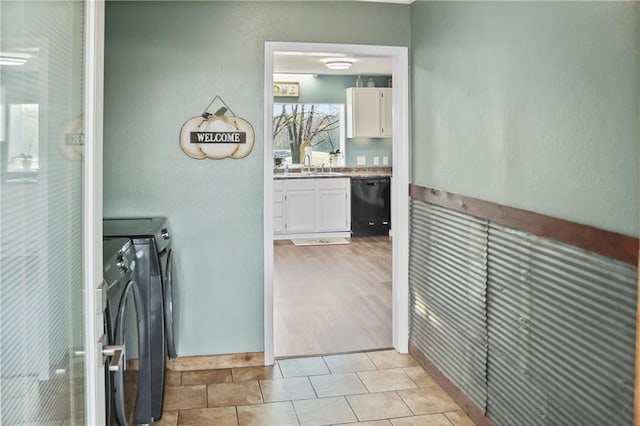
(41, 206)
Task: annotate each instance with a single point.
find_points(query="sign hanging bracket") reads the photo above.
(220, 111)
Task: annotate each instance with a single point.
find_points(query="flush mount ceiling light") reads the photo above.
(339, 64)
(13, 59)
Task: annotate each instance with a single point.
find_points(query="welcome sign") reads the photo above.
(217, 136)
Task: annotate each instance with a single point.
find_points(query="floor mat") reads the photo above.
(320, 241)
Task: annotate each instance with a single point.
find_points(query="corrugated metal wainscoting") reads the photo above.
(561, 333)
(560, 321)
(448, 283)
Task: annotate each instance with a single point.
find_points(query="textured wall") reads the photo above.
(164, 62)
(530, 104)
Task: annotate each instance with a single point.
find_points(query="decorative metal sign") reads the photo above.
(217, 135)
(71, 139)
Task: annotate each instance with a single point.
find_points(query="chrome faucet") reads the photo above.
(304, 162)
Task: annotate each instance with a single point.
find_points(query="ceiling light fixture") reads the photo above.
(342, 64)
(13, 59)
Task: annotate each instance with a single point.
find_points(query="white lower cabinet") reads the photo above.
(278, 201)
(333, 206)
(300, 211)
(310, 207)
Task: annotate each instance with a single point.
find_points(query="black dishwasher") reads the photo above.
(370, 206)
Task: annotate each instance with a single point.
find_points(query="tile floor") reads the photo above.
(372, 388)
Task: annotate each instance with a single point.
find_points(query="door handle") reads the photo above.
(101, 296)
(116, 352)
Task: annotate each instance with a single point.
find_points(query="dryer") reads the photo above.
(154, 279)
(120, 312)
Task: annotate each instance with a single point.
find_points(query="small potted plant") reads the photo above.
(334, 157)
(25, 160)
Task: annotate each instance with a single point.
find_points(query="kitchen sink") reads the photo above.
(326, 174)
(307, 175)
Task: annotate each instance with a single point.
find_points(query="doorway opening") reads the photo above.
(373, 248)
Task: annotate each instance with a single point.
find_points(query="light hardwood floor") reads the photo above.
(332, 299)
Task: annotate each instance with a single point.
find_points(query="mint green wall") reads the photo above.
(530, 104)
(333, 89)
(164, 62)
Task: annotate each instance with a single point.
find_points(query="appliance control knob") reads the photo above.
(165, 233)
(121, 262)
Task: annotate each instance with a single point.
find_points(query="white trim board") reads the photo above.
(92, 208)
(399, 182)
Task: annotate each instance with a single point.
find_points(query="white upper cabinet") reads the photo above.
(369, 112)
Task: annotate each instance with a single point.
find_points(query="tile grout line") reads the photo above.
(206, 394)
(372, 361)
(405, 403)
(312, 387)
(448, 419)
(261, 392)
(412, 381)
(295, 412)
(363, 383)
(352, 410)
(326, 365)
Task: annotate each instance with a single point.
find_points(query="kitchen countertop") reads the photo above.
(337, 172)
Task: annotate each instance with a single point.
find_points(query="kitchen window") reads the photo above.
(319, 126)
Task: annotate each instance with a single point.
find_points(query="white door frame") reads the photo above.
(399, 182)
(92, 209)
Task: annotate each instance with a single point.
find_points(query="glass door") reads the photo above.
(42, 307)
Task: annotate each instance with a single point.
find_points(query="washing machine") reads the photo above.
(151, 239)
(121, 305)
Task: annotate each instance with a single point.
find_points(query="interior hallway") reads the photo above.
(332, 299)
(374, 388)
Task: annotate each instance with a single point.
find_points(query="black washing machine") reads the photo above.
(120, 312)
(154, 279)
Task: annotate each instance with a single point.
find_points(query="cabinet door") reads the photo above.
(278, 198)
(363, 112)
(300, 211)
(278, 223)
(386, 115)
(333, 210)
